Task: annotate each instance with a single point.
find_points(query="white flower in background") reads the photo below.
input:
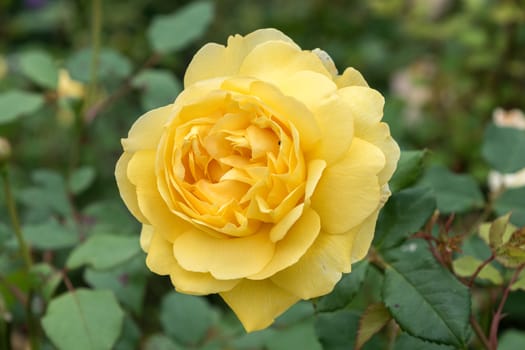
(513, 118)
(411, 85)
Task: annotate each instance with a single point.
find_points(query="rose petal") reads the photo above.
(336, 122)
(309, 87)
(363, 236)
(379, 135)
(350, 77)
(127, 190)
(317, 272)
(349, 191)
(294, 244)
(276, 61)
(147, 130)
(141, 173)
(315, 170)
(145, 237)
(258, 303)
(214, 60)
(365, 103)
(160, 260)
(224, 258)
(288, 109)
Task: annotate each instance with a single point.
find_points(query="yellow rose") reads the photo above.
(263, 180)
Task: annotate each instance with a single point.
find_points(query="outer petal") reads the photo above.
(365, 103)
(349, 191)
(224, 258)
(214, 60)
(309, 87)
(294, 245)
(337, 128)
(127, 190)
(350, 77)
(147, 130)
(276, 61)
(317, 272)
(379, 135)
(161, 261)
(141, 173)
(258, 303)
(146, 234)
(363, 236)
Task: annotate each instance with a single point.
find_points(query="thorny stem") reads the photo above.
(480, 267)
(493, 338)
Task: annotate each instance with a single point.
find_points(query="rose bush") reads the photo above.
(263, 180)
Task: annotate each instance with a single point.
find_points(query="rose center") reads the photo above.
(234, 169)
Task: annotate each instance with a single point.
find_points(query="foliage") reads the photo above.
(446, 257)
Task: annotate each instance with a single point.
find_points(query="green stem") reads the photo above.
(13, 215)
(96, 29)
(24, 252)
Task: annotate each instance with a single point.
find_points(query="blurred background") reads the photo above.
(447, 68)
(443, 65)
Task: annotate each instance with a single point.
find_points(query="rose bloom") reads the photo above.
(263, 180)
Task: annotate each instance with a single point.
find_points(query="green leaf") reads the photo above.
(40, 67)
(409, 169)
(130, 335)
(16, 103)
(503, 148)
(375, 317)
(160, 342)
(168, 33)
(337, 330)
(484, 233)
(49, 196)
(110, 216)
(519, 284)
(454, 193)
(103, 251)
(159, 88)
(497, 230)
(512, 200)
(466, 265)
(50, 235)
(511, 339)
(298, 312)
(47, 279)
(345, 289)
(427, 301)
(186, 318)
(407, 342)
(84, 319)
(403, 215)
(298, 336)
(112, 65)
(81, 179)
(127, 281)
